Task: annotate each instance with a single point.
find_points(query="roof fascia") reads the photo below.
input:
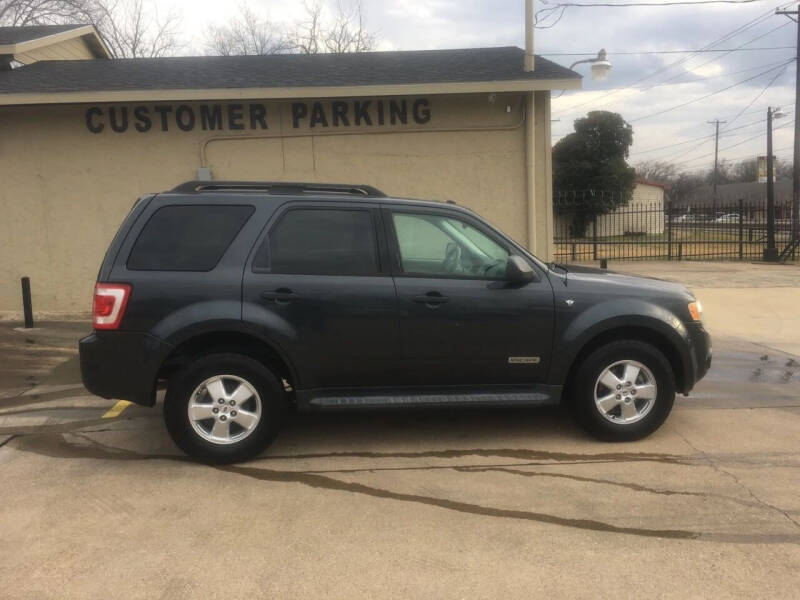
(525, 85)
(48, 40)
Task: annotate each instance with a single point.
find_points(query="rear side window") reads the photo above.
(187, 237)
(320, 242)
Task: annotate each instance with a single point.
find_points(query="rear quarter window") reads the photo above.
(187, 237)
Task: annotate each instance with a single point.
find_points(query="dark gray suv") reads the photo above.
(245, 298)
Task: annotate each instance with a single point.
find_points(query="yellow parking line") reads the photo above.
(117, 409)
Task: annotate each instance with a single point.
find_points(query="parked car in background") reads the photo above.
(245, 298)
(687, 218)
(728, 218)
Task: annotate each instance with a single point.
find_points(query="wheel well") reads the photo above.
(239, 343)
(641, 334)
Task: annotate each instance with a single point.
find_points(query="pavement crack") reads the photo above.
(321, 481)
(516, 453)
(631, 486)
(66, 427)
(714, 465)
(58, 446)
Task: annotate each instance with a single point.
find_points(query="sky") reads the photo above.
(667, 98)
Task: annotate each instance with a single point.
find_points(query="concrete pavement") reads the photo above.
(448, 504)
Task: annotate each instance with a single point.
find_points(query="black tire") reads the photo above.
(582, 391)
(183, 384)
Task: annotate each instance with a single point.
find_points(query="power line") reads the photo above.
(560, 9)
(761, 93)
(702, 137)
(742, 157)
(738, 30)
(752, 112)
(716, 58)
(780, 63)
(684, 153)
(682, 104)
(705, 139)
(659, 4)
(691, 160)
(632, 52)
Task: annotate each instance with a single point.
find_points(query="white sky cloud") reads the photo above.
(673, 80)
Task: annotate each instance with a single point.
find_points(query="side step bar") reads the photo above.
(539, 395)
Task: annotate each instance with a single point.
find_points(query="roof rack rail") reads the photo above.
(277, 187)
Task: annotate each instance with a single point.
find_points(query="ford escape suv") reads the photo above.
(243, 299)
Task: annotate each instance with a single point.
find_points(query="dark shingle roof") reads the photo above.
(284, 70)
(17, 35)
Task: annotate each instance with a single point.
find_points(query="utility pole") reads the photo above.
(795, 16)
(716, 167)
(771, 251)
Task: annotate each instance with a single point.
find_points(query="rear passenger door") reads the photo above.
(318, 285)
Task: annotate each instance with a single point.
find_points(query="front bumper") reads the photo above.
(122, 365)
(700, 354)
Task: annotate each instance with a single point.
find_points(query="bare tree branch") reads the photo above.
(18, 13)
(245, 34)
(134, 28)
(346, 31)
(130, 28)
(307, 34)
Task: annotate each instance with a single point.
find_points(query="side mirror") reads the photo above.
(518, 270)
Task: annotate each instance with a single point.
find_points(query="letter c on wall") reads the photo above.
(91, 125)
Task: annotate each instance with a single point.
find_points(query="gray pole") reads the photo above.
(796, 156)
(770, 252)
(795, 15)
(716, 168)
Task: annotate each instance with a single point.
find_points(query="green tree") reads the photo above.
(591, 165)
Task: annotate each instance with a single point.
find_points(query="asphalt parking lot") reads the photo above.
(98, 503)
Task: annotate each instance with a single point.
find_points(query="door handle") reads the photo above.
(431, 299)
(279, 296)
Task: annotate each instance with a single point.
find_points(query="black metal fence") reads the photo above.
(591, 226)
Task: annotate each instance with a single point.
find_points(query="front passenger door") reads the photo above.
(461, 322)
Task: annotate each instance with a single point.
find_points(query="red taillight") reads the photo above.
(110, 300)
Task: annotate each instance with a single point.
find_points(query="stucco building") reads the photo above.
(642, 214)
(83, 135)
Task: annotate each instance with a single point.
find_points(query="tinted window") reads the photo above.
(187, 238)
(321, 242)
(436, 245)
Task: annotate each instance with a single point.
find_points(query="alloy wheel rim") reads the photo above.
(625, 392)
(224, 409)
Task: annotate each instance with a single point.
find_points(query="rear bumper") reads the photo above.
(122, 365)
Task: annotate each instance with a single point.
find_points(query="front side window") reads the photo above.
(187, 237)
(441, 246)
(311, 241)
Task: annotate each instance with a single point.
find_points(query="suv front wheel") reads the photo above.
(623, 391)
(224, 408)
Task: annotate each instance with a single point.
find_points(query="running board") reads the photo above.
(540, 395)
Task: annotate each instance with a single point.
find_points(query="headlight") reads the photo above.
(696, 310)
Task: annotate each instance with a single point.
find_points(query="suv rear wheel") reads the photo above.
(623, 391)
(224, 408)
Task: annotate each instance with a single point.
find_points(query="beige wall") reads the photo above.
(74, 49)
(65, 190)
